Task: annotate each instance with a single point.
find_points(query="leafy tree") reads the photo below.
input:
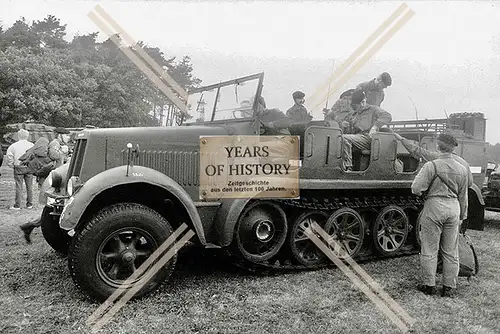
(47, 79)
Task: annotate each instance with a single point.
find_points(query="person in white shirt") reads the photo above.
(14, 152)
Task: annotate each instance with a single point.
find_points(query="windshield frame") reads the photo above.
(218, 86)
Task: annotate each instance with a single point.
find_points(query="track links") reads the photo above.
(283, 261)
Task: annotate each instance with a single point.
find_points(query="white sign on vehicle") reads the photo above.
(249, 167)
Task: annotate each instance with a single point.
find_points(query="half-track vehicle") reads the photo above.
(127, 189)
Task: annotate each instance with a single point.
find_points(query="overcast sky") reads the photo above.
(440, 32)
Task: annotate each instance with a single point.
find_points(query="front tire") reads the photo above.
(52, 233)
(114, 244)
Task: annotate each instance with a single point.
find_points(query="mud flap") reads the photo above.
(475, 215)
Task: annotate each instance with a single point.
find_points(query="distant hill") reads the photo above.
(433, 89)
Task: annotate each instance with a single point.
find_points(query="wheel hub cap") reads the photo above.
(128, 257)
(264, 230)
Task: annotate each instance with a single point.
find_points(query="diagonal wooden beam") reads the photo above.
(128, 39)
(362, 48)
(140, 64)
(364, 59)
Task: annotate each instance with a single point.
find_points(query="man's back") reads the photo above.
(374, 94)
(452, 184)
(16, 150)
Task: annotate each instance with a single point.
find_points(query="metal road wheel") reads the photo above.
(303, 249)
(113, 245)
(260, 231)
(347, 229)
(390, 230)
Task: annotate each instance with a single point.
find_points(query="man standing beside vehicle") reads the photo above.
(419, 152)
(58, 147)
(446, 181)
(14, 152)
(56, 151)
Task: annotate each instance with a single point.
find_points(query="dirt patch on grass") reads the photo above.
(206, 296)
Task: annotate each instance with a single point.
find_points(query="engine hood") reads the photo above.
(156, 135)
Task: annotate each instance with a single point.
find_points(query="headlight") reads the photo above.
(55, 179)
(50, 178)
(50, 201)
(73, 184)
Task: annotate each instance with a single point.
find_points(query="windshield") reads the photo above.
(229, 100)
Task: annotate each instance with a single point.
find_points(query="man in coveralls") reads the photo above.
(446, 181)
(419, 152)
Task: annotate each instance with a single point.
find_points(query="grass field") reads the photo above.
(207, 296)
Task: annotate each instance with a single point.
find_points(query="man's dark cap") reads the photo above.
(386, 78)
(358, 96)
(347, 93)
(298, 95)
(61, 130)
(447, 139)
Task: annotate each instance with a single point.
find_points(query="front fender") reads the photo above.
(110, 178)
(475, 214)
(226, 219)
(478, 192)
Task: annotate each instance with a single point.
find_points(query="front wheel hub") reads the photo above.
(264, 230)
(128, 257)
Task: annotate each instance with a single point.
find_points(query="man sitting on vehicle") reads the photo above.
(341, 110)
(364, 122)
(274, 121)
(298, 112)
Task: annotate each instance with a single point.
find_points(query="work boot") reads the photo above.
(427, 289)
(448, 292)
(27, 228)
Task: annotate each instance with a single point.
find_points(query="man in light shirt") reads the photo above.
(446, 180)
(15, 151)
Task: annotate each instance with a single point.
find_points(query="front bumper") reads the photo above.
(56, 200)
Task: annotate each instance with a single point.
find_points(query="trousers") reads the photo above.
(439, 228)
(361, 141)
(28, 180)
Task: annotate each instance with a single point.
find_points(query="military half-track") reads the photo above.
(128, 189)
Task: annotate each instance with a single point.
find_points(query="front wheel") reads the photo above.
(113, 245)
(58, 239)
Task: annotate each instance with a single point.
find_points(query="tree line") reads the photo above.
(46, 79)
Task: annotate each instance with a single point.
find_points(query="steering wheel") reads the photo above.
(245, 113)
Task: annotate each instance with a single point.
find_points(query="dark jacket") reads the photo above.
(298, 113)
(341, 110)
(276, 121)
(364, 119)
(36, 160)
